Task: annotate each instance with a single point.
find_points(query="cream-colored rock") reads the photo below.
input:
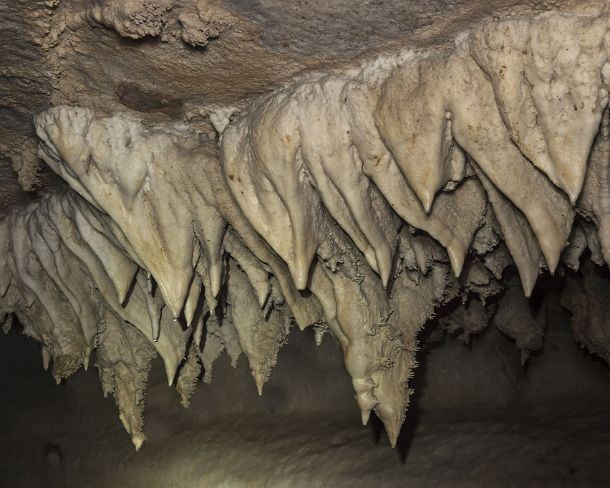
(121, 168)
(517, 234)
(594, 202)
(188, 376)
(260, 335)
(193, 22)
(547, 79)
(123, 360)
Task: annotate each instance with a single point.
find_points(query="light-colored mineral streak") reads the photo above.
(356, 200)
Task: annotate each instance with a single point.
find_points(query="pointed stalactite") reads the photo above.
(517, 234)
(479, 129)
(417, 127)
(124, 359)
(129, 187)
(188, 376)
(260, 336)
(547, 79)
(120, 269)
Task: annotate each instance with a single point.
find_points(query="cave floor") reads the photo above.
(291, 451)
